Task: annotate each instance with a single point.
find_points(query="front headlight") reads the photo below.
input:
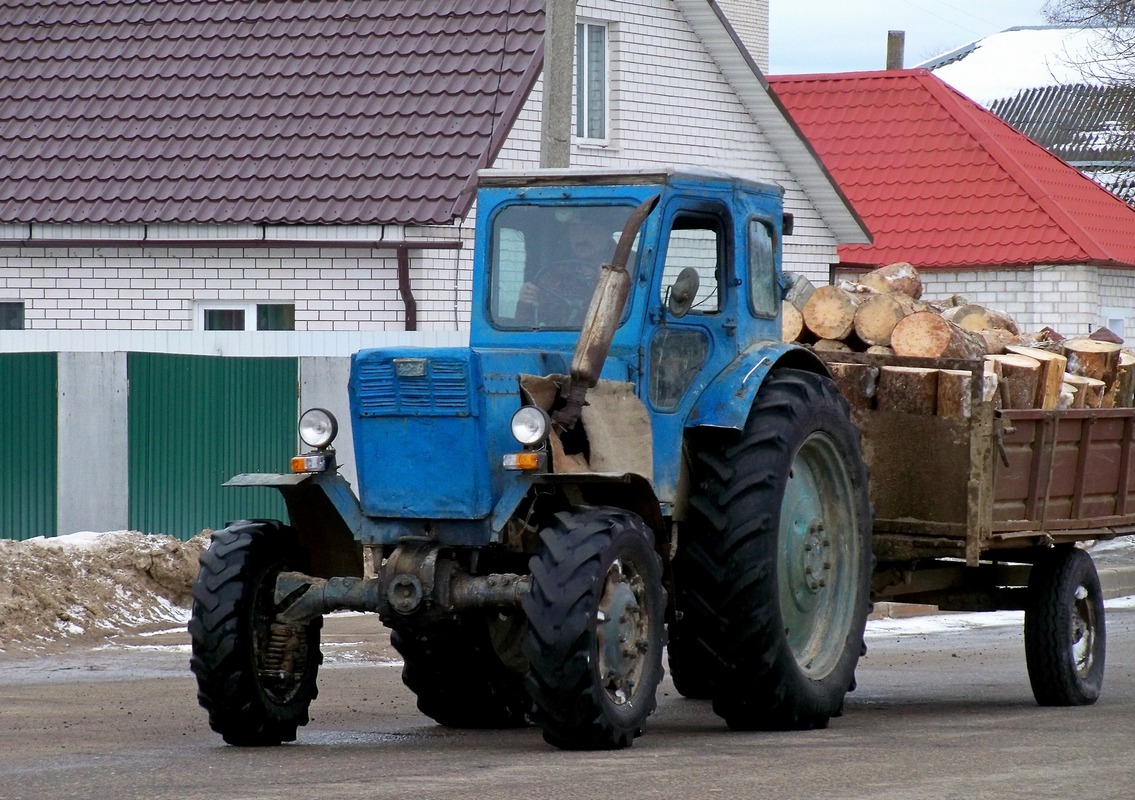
(531, 426)
(318, 428)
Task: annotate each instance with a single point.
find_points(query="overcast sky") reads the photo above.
(847, 35)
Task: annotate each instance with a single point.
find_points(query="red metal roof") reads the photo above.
(941, 182)
(199, 111)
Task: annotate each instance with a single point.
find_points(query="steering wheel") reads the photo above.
(564, 290)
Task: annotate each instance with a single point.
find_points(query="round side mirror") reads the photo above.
(683, 291)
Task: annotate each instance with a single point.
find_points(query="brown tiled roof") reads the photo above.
(287, 112)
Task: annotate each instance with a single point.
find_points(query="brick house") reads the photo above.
(294, 181)
(193, 166)
(982, 210)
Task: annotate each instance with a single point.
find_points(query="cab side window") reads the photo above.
(696, 242)
(764, 292)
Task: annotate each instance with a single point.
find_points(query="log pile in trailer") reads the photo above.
(884, 313)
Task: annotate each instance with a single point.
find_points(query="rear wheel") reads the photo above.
(1065, 638)
(595, 629)
(691, 661)
(782, 527)
(255, 676)
(459, 679)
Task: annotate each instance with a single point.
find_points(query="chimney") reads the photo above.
(896, 43)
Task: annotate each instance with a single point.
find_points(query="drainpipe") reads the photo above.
(896, 44)
(404, 289)
(559, 68)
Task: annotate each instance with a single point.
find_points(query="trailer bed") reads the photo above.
(998, 480)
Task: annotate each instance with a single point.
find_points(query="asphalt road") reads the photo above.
(940, 715)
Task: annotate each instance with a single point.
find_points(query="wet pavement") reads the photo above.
(940, 712)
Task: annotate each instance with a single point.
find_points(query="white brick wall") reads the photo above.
(333, 288)
(750, 19)
(1074, 300)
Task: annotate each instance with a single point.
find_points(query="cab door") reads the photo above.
(688, 339)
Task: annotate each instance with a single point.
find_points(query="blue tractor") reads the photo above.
(625, 459)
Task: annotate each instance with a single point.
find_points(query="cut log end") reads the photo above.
(925, 334)
(791, 322)
(830, 312)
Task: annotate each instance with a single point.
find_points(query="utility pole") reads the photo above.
(559, 68)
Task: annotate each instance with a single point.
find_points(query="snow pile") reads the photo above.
(92, 584)
(1001, 65)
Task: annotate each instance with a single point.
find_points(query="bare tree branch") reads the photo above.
(1110, 59)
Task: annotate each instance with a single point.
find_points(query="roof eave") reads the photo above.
(747, 80)
(501, 131)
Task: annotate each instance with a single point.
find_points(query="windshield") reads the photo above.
(546, 261)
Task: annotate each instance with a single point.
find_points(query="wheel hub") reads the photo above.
(1083, 632)
(622, 631)
(817, 556)
(278, 653)
(808, 561)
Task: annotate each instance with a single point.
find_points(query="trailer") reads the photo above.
(990, 511)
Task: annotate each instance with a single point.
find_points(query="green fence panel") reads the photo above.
(28, 417)
(195, 421)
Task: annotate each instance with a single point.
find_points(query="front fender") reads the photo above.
(325, 514)
(726, 401)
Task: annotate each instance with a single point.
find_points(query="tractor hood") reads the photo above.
(414, 414)
(431, 426)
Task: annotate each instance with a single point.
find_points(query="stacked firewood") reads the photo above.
(883, 312)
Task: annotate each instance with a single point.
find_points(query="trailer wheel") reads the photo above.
(255, 676)
(457, 676)
(783, 554)
(595, 629)
(1065, 638)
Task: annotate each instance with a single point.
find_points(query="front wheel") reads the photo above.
(595, 629)
(1065, 638)
(457, 675)
(255, 676)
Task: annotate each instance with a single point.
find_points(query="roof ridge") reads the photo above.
(974, 118)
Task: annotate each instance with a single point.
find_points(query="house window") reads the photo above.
(224, 319)
(590, 80)
(247, 317)
(275, 317)
(11, 315)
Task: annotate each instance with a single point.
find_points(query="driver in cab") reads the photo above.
(558, 294)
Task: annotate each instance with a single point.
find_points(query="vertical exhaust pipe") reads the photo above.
(602, 319)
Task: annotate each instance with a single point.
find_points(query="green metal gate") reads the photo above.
(28, 483)
(195, 421)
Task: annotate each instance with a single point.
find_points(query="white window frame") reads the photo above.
(248, 307)
(581, 122)
(249, 310)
